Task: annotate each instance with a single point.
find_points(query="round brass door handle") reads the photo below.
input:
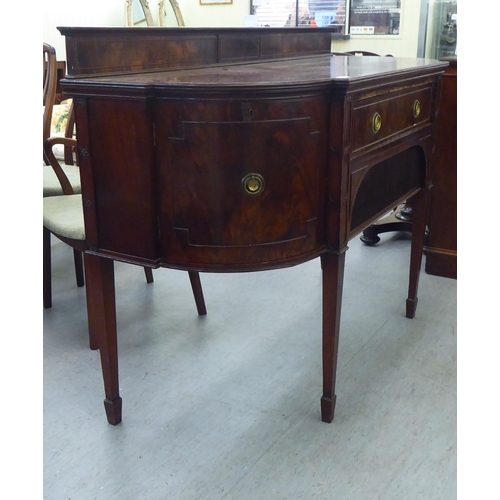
(416, 108)
(253, 184)
(376, 122)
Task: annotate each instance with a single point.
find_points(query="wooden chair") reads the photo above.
(359, 53)
(63, 217)
(365, 53)
(49, 88)
(51, 183)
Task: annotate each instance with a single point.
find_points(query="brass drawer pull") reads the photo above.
(253, 184)
(416, 108)
(376, 122)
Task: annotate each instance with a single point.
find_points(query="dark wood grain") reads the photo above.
(210, 220)
(332, 264)
(441, 245)
(121, 152)
(169, 151)
(101, 287)
(93, 51)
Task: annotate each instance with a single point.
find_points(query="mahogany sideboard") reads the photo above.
(244, 149)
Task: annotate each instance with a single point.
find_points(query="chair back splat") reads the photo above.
(49, 87)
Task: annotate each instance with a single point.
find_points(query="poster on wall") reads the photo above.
(375, 17)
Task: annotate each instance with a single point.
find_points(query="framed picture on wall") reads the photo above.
(216, 2)
(375, 17)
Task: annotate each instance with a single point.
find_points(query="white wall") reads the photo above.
(78, 13)
(208, 16)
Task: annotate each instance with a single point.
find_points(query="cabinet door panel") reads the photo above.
(246, 191)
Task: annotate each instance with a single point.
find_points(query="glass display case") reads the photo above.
(442, 35)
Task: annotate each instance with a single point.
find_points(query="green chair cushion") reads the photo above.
(63, 216)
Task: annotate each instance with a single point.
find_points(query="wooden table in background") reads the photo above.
(441, 243)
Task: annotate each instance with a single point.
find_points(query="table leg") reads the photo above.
(333, 278)
(419, 202)
(101, 290)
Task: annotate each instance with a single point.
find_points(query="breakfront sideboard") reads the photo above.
(228, 150)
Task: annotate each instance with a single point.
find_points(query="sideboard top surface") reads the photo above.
(299, 71)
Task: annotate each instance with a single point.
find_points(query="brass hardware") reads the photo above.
(253, 184)
(416, 108)
(376, 122)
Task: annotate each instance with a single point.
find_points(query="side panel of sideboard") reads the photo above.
(441, 247)
(116, 149)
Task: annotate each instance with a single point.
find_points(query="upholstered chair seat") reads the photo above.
(63, 216)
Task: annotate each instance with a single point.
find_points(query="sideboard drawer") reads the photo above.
(388, 116)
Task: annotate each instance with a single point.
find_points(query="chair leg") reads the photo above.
(149, 274)
(194, 277)
(77, 256)
(92, 308)
(47, 270)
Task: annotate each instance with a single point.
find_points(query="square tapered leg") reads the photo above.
(102, 320)
(332, 264)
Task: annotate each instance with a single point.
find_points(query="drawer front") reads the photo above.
(243, 192)
(388, 116)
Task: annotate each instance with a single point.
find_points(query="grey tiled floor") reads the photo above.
(227, 406)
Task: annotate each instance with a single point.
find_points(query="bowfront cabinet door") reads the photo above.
(241, 182)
